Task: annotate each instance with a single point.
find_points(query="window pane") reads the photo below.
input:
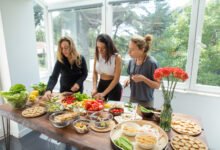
(82, 25)
(209, 62)
(40, 30)
(167, 21)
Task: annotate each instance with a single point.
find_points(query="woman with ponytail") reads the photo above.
(141, 69)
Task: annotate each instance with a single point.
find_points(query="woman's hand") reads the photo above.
(126, 83)
(138, 78)
(99, 96)
(75, 87)
(47, 95)
(94, 92)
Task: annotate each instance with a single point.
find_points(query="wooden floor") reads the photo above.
(35, 141)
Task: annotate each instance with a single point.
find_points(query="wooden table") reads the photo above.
(89, 141)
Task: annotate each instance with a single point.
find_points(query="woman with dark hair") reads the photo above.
(141, 69)
(72, 67)
(107, 64)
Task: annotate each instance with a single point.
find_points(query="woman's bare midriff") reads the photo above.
(106, 77)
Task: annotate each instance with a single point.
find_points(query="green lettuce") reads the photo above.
(16, 96)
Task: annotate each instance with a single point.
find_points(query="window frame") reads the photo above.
(194, 41)
(194, 86)
(50, 60)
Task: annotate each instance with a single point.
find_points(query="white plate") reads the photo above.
(127, 117)
(126, 109)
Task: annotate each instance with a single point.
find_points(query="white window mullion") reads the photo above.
(197, 42)
(51, 41)
(103, 25)
(109, 18)
(192, 63)
(191, 43)
(47, 34)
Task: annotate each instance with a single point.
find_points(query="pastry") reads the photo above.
(187, 142)
(187, 127)
(33, 111)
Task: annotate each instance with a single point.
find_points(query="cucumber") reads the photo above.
(145, 110)
(125, 143)
(126, 140)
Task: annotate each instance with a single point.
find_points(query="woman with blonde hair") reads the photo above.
(141, 69)
(70, 65)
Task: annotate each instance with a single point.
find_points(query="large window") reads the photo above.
(83, 25)
(209, 62)
(166, 21)
(41, 45)
(176, 28)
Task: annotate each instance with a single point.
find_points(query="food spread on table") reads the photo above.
(131, 132)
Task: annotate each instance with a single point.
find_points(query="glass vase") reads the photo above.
(166, 116)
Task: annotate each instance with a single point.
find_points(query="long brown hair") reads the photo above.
(143, 42)
(73, 52)
(110, 47)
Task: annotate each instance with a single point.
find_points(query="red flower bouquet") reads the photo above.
(173, 75)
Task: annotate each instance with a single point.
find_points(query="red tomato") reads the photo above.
(88, 105)
(95, 106)
(90, 109)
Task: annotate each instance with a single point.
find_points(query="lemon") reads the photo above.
(32, 97)
(35, 92)
(107, 105)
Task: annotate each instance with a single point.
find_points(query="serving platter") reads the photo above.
(188, 142)
(127, 117)
(34, 111)
(132, 109)
(117, 132)
(109, 128)
(184, 126)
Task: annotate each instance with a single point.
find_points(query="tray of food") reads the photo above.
(185, 126)
(187, 142)
(138, 135)
(127, 107)
(127, 117)
(34, 111)
(62, 119)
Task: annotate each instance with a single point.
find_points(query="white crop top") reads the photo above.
(106, 68)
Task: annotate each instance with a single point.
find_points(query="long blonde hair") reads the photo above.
(143, 42)
(73, 52)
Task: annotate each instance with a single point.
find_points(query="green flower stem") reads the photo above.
(169, 89)
(166, 115)
(173, 89)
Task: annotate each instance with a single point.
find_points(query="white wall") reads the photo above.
(19, 31)
(20, 46)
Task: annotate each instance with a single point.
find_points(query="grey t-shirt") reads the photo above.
(140, 91)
